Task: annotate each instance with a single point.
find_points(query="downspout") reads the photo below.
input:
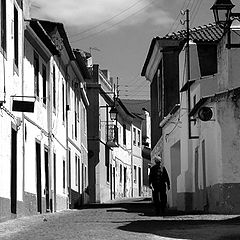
(67, 155)
(49, 116)
(132, 158)
(23, 123)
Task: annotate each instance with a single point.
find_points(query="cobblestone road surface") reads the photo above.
(131, 219)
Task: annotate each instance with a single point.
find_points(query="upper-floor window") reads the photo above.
(84, 119)
(54, 87)
(16, 33)
(76, 116)
(124, 134)
(139, 138)
(36, 74)
(3, 25)
(134, 136)
(63, 101)
(44, 79)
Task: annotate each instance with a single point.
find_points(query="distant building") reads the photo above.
(114, 146)
(141, 110)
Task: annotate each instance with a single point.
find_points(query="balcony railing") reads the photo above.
(112, 135)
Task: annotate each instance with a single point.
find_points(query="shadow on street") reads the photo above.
(176, 224)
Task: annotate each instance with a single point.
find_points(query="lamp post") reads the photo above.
(224, 18)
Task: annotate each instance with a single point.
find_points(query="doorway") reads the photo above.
(139, 181)
(175, 170)
(114, 182)
(124, 181)
(47, 179)
(38, 173)
(13, 171)
(54, 183)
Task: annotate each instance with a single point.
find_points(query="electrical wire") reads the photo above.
(106, 21)
(113, 25)
(177, 19)
(197, 7)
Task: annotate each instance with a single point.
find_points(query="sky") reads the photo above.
(118, 33)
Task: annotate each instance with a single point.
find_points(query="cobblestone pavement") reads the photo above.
(130, 219)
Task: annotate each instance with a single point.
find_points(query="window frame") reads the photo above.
(54, 87)
(44, 83)
(3, 22)
(36, 74)
(16, 36)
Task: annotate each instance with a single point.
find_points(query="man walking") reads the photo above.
(158, 179)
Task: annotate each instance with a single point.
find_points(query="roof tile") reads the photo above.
(206, 33)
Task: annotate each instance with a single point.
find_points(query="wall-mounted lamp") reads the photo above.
(113, 113)
(224, 18)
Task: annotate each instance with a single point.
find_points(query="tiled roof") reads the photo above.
(206, 33)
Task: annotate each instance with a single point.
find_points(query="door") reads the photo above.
(139, 181)
(83, 183)
(114, 183)
(47, 179)
(38, 175)
(124, 181)
(111, 182)
(14, 171)
(69, 178)
(54, 183)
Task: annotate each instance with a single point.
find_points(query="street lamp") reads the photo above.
(222, 10)
(224, 18)
(113, 113)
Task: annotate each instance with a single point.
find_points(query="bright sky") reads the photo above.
(122, 30)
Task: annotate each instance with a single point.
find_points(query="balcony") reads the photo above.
(112, 135)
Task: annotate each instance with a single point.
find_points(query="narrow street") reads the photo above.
(128, 219)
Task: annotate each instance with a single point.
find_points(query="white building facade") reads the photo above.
(43, 115)
(201, 154)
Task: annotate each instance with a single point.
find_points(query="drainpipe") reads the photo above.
(23, 123)
(67, 155)
(132, 158)
(49, 120)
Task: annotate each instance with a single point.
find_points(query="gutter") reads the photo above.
(84, 94)
(169, 116)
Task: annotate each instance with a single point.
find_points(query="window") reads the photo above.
(124, 134)
(44, 79)
(16, 36)
(54, 87)
(139, 138)
(3, 26)
(134, 136)
(69, 168)
(135, 174)
(64, 174)
(84, 119)
(63, 101)
(36, 74)
(76, 170)
(194, 100)
(76, 116)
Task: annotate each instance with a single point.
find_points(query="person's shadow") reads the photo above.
(187, 229)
